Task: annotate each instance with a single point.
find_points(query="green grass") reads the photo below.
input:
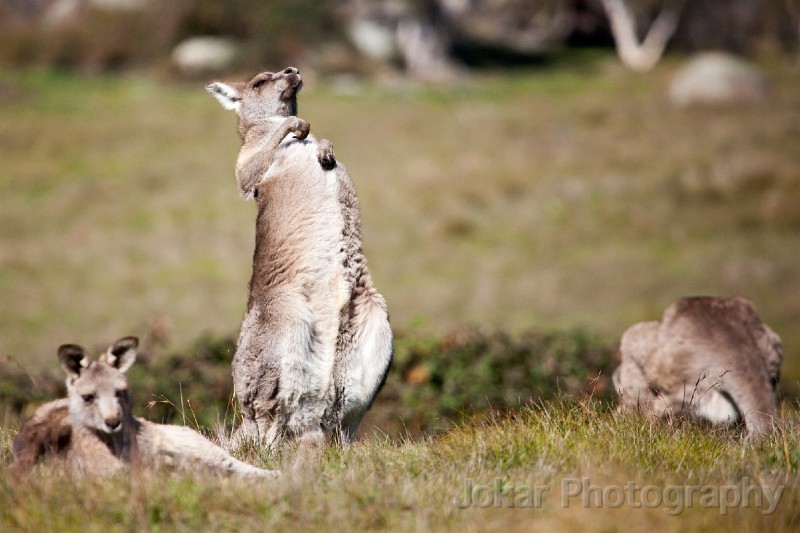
(556, 198)
(508, 416)
(570, 198)
(418, 484)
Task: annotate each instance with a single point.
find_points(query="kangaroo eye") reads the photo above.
(88, 398)
(121, 393)
(260, 82)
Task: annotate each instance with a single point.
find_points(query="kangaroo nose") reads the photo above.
(112, 423)
(291, 70)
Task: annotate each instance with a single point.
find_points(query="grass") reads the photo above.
(421, 484)
(570, 198)
(557, 198)
(521, 426)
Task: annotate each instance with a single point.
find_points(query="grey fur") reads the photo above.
(315, 343)
(95, 433)
(710, 356)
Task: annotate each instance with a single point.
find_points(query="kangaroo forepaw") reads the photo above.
(325, 155)
(301, 128)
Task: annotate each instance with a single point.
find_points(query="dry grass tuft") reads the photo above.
(423, 483)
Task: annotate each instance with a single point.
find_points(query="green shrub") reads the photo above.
(432, 383)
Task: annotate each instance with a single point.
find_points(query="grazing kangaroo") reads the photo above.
(710, 356)
(315, 343)
(94, 430)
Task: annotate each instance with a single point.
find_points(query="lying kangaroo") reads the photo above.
(315, 343)
(94, 430)
(710, 356)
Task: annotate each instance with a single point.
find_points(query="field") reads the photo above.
(564, 197)
(564, 202)
(592, 471)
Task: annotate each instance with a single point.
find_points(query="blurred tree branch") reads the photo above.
(642, 56)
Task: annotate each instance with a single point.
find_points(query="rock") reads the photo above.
(198, 55)
(118, 5)
(718, 78)
(372, 39)
(60, 12)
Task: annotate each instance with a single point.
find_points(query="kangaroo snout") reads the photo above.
(292, 76)
(113, 424)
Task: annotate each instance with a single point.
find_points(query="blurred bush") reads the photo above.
(435, 382)
(102, 35)
(432, 383)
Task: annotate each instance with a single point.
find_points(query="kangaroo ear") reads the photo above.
(73, 359)
(121, 354)
(228, 94)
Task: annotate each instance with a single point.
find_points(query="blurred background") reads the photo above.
(535, 176)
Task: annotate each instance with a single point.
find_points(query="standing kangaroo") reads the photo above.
(94, 430)
(710, 356)
(315, 343)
